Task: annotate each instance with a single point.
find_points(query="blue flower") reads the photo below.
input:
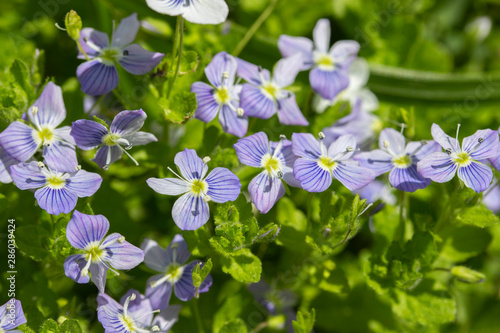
(56, 192)
(194, 11)
(174, 272)
(99, 75)
(441, 167)
(330, 67)
(191, 210)
(124, 131)
(400, 159)
(21, 141)
(222, 97)
(98, 254)
(276, 159)
(318, 165)
(11, 316)
(263, 96)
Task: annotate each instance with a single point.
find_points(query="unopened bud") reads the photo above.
(73, 24)
(467, 275)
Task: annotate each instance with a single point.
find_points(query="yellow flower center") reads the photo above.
(109, 139)
(324, 60)
(402, 161)
(222, 96)
(462, 159)
(45, 135)
(55, 182)
(94, 253)
(270, 163)
(326, 163)
(270, 89)
(128, 323)
(109, 54)
(199, 187)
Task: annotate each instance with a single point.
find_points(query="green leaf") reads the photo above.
(243, 266)
(100, 121)
(71, 326)
(21, 75)
(305, 321)
(463, 243)
(234, 326)
(467, 275)
(229, 311)
(30, 240)
(189, 62)
(478, 216)
(49, 326)
(200, 275)
(179, 108)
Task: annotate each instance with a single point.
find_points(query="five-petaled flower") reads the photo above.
(222, 97)
(11, 316)
(441, 167)
(329, 75)
(263, 96)
(57, 192)
(276, 159)
(134, 314)
(195, 11)
(191, 210)
(124, 131)
(21, 141)
(97, 254)
(318, 165)
(99, 76)
(174, 272)
(400, 159)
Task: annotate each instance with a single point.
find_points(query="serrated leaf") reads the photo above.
(478, 216)
(305, 321)
(200, 274)
(189, 62)
(21, 75)
(243, 266)
(49, 326)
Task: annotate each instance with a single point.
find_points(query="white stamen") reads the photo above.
(206, 159)
(225, 75)
(181, 178)
(240, 112)
(206, 198)
(321, 135)
(386, 144)
(126, 152)
(85, 270)
(156, 283)
(34, 110)
(458, 128)
(78, 167)
(155, 329)
(349, 149)
(121, 239)
(40, 165)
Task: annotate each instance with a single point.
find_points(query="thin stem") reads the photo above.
(260, 327)
(120, 98)
(180, 22)
(82, 50)
(95, 104)
(253, 29)
(401, 228)
(197, 316)
(448, 211)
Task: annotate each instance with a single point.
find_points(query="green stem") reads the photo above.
(196, 312)
(401, 228)
(120, 98)
(96, 103)
(253, 29)
(82, 50)
(449, 208)
(180, 35)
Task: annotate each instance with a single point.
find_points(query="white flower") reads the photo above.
(195, 11)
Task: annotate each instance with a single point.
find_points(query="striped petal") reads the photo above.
(289, 112)
(73, 266)
(206, 11)
(83, 230)
(169, 7)
(5, 163)
(311, 176)
(121, 255)
(287, 69)
(50, 107)
(159, 296)
(190, 165)
(101, 157)
(190, 212)
(377, 160)
(18, 142)
(97, 78)
(56, 201)
(232, 123)
(408, 179)
(321, 35)
(476, 176)
(443, 139)
(109, 312)
(438, 167)
(168, 186)
(344, 52)
(88, 134)
(251, 149)
(155, 257)
(126, 31)
(352, 175)
(128, 122)
(265, 191)
(27, 176)
(305, 145)
(207, 107)
(255, 104)
(328, 83)
(83, 183)
(420, 151)
(98, 273)
(391, 139)
(252, 73)
(177, 250)
(60, 156)
(139, 61)
(221, 63)
(97, 38)
(339, 148)
(141, 138)
(487, 148)
(223, 185)
(289, 45)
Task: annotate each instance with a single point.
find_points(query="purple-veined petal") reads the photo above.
(50, 107)
(289, 112)
(168, 186)
(285, 154)
(438, 167)
(206, 11)
(5, 163)
(190, 212)
(311, 176)
(73, 266)
(328, 83)
(408, 179)
(11, 316)
(232, 123)
(83, 183)
(98, 272)
(391, 139)
(444, 140)
(223, 185)
(255, 104)
(419, 150)
(491, 198)
(177, 250)
(101, 157)
(184, 288)
(60, 156)
(495, 161)
(18, 142)
(289, 45)
(286, 70)
(251, 149)
(251, 73)
(109, 312)
(84, 229)
(97, 38)
(476, 176)
(155, 257)
(27, 176)
(321, 35)
(96, 78)
(167, 318)
(265, 191)
(190, 165)
(140, 308)
(352, 175)
(159, 296)
(141, 138)
(488, 147)
(169, 7)
(56, 201)
(121, 255)
(376, 190)
(207, 107)
(221, 63)
(376, 160)
(339, 149)
(344, 52)
(64, 134)
(126, 31)
(305, 145)
(139, 61)
(128, 122)
(88, 134)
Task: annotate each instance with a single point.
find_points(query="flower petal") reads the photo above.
(437, 166)
(289, 112)
(340, 147)
(359, 72)
(184, 288)
(169, 7)
(60, 156)
(190, 165)
(14, 312)
(206, 11)
(27, 176)
(50, 107)
(232, 123)
(321, 35)
(101, 156)
(394, 140)
(491, 198)
(476, 176)
(190, 212)
(140, 308)
(207, 107)
(251, 73)
(159, 296)
(97, 78)
(265, 191)
(155, 257)
(73, 266)
(344, 52)
(141, 138)
(84, 229)
(139, 61)
(305, 145)
(121, 255)
(251, 149)
(168, 186)
(88, 134)
(83, 183)
(98, 274)
(221, 63)
(488, 147)
(56, 201)
(255, 104)
(289, 45)
(376, 160)
(420, 151)
(167, 318)
(312, 177)
(5, 163)
(328, 83)
(443, 139)
(352, 175)
(109, 312)
(18, 142)
(287, 69)
(97, 38)
(128, 122)
(126, 31)
(223, 185)
(408, 179)
(177, 250)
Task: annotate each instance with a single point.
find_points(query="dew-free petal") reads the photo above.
(138, 61)
(73, 266)
(97, 78)
(443, 139)
(377, 160)
(88, 134)
(56, 201)
(353, 176)
(27, 176)
(488, 147)
(321, 35)
(159, 296)
(128, 122)
(251, 149)
(328, 83)
(255, 104)
(84, 229)
(232, 123)
(60, 156)
(265, 191)
(207, 107)
(408, 179)
(289, 112)
(305, 145)
(190, 165)
(168, 186)
(206, 11)
(126, 31)
(221, 63)
(312, 177)
(476, 176)
(223, 185)
(190, 212)
(50, 107)
(437, 166)
(17, 141)
(122, 255)
(155, 257)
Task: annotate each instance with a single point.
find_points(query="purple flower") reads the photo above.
(56, 192)
(134, 314)
(276, 159)
(495, 161)
(194, 11)
(318, 165)
(124, 131)
(191, 210)
(222, 96)
(11, 316)
(97, 254)
(491, 197)
(263, 96)
(21, 141)
(5, 163)
(400, 159)
(330, 68)
(441, 167)
(99, 76)
(174, 272)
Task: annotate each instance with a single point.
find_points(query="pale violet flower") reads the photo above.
(194, 11)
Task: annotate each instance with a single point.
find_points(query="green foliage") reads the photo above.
(200, 275)
(179, 108)
(304, 322)
(478, 216)
(466, 274)
(243, 265)
(73, 24)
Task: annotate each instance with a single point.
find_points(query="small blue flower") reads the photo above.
(400, 159)
(99, 76)
(194, 11)
(330, 68)
(11, 316)
(222, 97)
(191, 210)
(56, 192)
(318, 165)
(263, 96)
(124, 131)
(441, 167)
(276, 159)
(98, 254)
(21, 141)
(174, 272)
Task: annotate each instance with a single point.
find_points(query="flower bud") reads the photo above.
(73, 24)
(467, 275)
